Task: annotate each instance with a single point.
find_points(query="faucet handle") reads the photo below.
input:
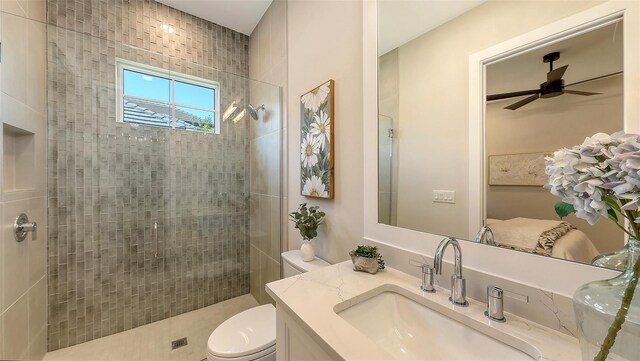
(428, 274)
(495, 304)
(427, 278)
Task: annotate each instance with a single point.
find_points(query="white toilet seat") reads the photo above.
(250, 335)
(268, 354)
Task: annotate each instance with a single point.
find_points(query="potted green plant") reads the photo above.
(307, 220)
(367, 259)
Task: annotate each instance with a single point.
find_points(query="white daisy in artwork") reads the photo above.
(314, 187)
(321, 128)
(309, 149)
(314, 99)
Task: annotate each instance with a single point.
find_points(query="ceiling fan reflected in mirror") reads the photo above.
(553, 87)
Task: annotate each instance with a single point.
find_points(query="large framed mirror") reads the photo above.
(435, 177)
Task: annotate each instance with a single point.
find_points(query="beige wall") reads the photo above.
(325, 42)
(433, 130)
(23, 265)
(545, 126)
(268, 74)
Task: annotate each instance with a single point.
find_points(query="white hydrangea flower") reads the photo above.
(602, 166)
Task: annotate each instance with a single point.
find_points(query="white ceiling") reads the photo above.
(401, 21)
(239, 15)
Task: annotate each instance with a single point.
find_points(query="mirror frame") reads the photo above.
(534, 270)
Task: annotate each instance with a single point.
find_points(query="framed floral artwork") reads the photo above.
(316, 142)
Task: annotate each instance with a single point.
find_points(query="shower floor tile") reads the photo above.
(152, 342)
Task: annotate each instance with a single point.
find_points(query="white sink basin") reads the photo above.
(409, 330)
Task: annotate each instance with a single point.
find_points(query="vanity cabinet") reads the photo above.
(293, 342)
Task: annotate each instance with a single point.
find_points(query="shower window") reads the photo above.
(157, 97)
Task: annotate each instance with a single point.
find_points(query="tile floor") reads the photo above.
(153, 341)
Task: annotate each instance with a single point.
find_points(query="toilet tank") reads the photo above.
(292, 263)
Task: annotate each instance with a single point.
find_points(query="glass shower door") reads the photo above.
(157, 199)
(385, 169)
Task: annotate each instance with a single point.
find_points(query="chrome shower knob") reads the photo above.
(22, 226)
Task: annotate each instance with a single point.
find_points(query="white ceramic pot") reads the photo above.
(307, 252)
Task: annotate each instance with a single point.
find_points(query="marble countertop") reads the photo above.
(310, 299)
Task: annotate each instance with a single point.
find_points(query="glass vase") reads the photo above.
(616, 260)
(608, 313)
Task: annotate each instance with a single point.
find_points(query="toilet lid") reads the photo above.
(246, 333)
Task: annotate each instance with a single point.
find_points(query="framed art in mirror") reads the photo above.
(518, 169)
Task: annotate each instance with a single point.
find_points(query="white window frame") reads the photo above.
(122, 65)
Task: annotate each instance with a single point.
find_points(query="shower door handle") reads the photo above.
(155, 239)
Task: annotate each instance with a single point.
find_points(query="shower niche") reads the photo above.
(18, 160)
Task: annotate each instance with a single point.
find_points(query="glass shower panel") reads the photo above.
(151, 204)
(108, 186)
(148, 222)
(210, 197)
(265, 154)
(385, 169)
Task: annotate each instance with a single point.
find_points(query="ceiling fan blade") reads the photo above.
(556, 74)
(512, 94)
(577, 92)
(596, 78)
(523, 102)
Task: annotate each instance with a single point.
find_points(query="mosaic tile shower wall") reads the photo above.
(108, 182)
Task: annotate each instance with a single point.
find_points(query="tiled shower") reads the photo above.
(109, 183)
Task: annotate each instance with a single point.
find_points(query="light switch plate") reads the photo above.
(443, 196)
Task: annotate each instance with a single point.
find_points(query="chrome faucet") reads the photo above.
(485, 236)
(458, 283)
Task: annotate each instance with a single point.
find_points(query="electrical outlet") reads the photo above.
(179, 343)
(440, 196)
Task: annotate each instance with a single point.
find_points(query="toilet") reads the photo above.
(251, 335)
